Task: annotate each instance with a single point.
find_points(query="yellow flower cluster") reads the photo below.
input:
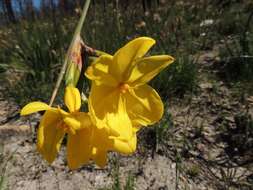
(120, 103)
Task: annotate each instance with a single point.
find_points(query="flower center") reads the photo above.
(61, 125)
(123, 87)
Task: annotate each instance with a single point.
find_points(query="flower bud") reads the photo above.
(74, 60)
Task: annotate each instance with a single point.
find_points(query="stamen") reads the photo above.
(61, 125)
(123, 87)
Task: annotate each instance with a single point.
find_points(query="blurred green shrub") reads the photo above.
(163, 126)
(237, 58)
(237, 52)
(117, 183)
(38, 47)
(36, 54)
(179, 78)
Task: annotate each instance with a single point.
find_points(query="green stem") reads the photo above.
(83, 16)
(64, 66)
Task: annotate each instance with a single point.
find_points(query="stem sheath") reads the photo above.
(76, 34)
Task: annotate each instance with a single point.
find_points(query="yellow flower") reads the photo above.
(55, 123)
(85, 141)
(119, 91)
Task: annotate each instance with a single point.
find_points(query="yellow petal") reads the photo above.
(50, 135)
(144, 105)
(72, 123)
(34, 107)
(101, 144)
(147, 68)
(100, 139)
(63, 113)
(102, 100)
(125, 146)
(100, 158)
(108, 110)
(72, 98)
(84, 119)
(125, 57)
(79, 148)
(136, 127)
(119, 122)
(99, 71)
(77, 121)
(99, 53)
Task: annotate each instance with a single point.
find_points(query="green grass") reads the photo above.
(37, 48)
(237, 50)
(180, 78)
(36, 54)
(163, 126)
(128, 184)
(237, 57)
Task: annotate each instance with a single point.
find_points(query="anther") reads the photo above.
(123, 87)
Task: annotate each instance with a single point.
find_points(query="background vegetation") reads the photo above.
(34, 41)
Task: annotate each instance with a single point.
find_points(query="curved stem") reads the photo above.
(76, 34)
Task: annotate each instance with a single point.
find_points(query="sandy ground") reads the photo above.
(27, 171)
